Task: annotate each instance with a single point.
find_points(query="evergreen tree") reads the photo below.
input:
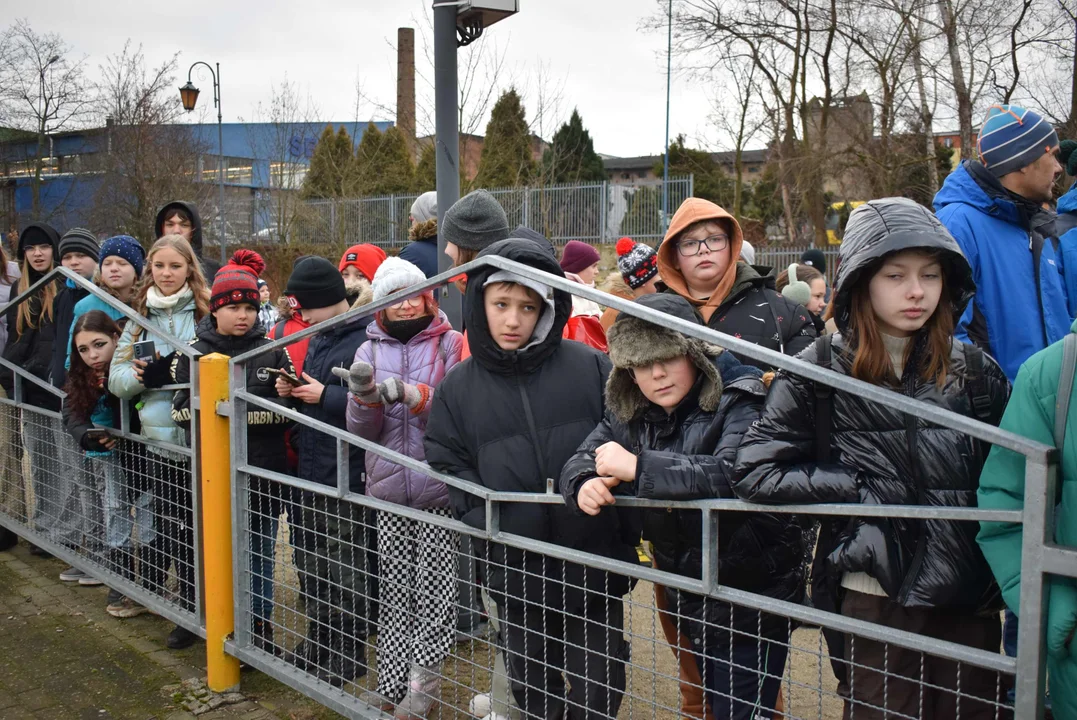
(383, 163)
(571, 157)
(711, 182)
(506, 154)
(426, 177)
(330, 165)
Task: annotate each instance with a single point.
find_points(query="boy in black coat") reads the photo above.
(334, 539)
(676, 409)
(508, 418)
(231, 329)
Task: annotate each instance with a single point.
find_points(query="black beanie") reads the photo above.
(815, 258)
(315, 283)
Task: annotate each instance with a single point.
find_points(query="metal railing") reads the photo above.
(315, 631)
(128, 517)
(595, 213)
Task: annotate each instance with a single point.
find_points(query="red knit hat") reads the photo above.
(237, 282)
(366, 258)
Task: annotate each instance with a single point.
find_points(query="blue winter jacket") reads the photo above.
(155, 406)
(1067, 248)
(1018, 310)
(423, 254)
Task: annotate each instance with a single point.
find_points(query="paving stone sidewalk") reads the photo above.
(63, 657)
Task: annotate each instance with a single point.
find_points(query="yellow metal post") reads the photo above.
(222, 670)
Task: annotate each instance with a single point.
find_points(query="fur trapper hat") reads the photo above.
(636, 343)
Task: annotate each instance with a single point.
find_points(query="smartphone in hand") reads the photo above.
(286, 376)
(145, 350)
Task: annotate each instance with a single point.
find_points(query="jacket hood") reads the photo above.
(691, 211)
(637, 343)
(882, 227)
(365, 296)
(438, 326)
(228, 344)
(481, 343)
(37, 234)
(196, 222)
(973, 185)
(424, 230)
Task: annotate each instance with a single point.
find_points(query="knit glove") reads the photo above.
(414, 397)
(360, 377)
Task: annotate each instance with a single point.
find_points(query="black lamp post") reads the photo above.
(189, 96)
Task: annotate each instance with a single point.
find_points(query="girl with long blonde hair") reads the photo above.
(172, 296)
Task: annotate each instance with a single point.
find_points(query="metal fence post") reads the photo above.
(222, 671)
(604, 212)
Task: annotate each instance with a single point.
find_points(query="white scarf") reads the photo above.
(168, 303)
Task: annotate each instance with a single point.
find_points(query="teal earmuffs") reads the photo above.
(797, 290)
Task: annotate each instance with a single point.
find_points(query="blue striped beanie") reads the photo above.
(1013, 137)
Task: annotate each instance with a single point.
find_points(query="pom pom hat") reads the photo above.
(237, 282)
(637, 262)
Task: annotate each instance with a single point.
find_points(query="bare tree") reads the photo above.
(287, 146)
(742, 94)
(42, 90)
(148, 157)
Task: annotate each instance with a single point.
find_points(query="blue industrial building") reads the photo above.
(260, 159)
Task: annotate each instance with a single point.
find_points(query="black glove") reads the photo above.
(158, 373)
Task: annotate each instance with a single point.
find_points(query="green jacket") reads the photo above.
(1031, 413)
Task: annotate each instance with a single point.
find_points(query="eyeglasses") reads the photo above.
(714, 243)
(410, 302)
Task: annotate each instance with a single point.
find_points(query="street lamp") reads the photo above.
(189, 96)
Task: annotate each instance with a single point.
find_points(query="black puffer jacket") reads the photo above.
(756, 312)
(509, 421)
(688, 455)
(31, 349)
(317, 451)
(265, 429)
(881, 456)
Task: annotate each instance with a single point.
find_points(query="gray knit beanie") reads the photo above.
(475, 221)
(80, 240)
(425, 207)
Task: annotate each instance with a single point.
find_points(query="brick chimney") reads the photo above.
(405, 84)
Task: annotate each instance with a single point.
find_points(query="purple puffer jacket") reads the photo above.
(425, 359)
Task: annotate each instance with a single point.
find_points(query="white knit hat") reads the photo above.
(395, 274)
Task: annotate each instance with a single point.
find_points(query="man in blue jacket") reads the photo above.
(994, 207)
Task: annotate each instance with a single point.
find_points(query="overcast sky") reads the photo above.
(612, 71)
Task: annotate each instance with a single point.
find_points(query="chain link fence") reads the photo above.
(125, 517)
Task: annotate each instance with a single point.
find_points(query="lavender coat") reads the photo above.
(425, 359)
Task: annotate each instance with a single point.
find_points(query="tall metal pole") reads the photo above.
(669, 77)
(220, 166)
(446, 141)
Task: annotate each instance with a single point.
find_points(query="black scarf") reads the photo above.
(404, 330)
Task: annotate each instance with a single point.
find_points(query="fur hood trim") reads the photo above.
(424, 230)
(635, 343)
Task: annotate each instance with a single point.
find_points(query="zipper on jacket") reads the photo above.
(530, 417)
(921, 533)
(404, 378)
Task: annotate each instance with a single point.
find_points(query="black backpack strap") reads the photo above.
(824, 402)
(976, 382)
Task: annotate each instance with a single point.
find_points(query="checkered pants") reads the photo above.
(418, 592)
